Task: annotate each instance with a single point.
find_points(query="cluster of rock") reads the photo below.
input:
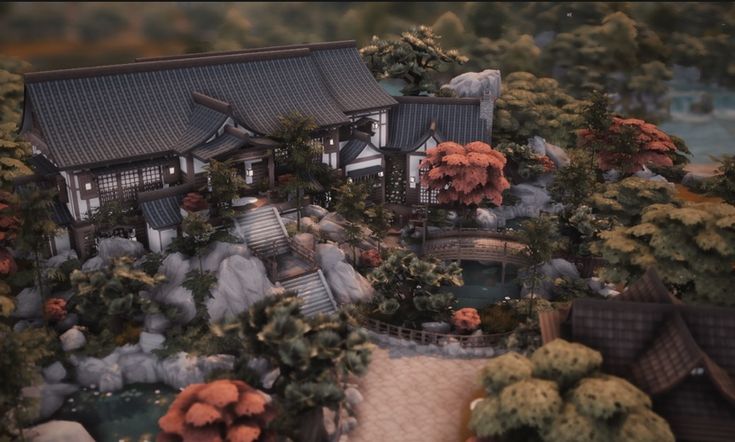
(561, 268)
(533, 198)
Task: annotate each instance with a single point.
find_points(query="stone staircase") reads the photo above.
(314, 290)
(264, 232)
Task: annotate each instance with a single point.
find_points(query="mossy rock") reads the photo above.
(571, 426)
(644, 426)
(504, 370)
(530, 403)
(605, 397)
(565, 362)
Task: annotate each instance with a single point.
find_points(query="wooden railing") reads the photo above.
(470, 232)
(500, 250)
(424, 337)
(304, 253)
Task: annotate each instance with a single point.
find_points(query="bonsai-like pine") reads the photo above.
(110, 298)
(533, 106)
(465, 175)
(220, 410)
(408, 288)
(413, 58)
(723, 183)
(558, 394)
(575, 183)
(301, 155)
(691, 245)
(625, 200)
(628, 145)
(523, 163)
(224, 185)
(466, 320)
(199, 234)
(313, 355)
(22, 352)
(380, 220)
(539, 235)
(36, 226)
(351, 202)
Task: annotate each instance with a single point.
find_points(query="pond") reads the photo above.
(483, 284)
(130, 414)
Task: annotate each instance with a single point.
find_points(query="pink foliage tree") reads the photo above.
(465, 175)
(628, 145)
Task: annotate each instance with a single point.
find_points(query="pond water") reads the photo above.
(483, 286)
(130, 414)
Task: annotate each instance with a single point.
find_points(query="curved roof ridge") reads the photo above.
(720, 378)
(669, 359)
(425, 99)
(161, 65)
(648, 288)
(311, 46)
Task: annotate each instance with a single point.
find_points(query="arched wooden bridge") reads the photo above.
(476, 245)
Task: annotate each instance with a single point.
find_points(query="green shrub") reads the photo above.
(504, 370)
(565, 362)
(606, 397)
(498, 318)
(530, 403)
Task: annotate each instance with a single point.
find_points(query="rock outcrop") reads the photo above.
(57, 431)
(241, 283)
(111, 248)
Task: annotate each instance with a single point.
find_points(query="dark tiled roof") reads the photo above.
(116, 113)
(455, 119)
(229, 141)
(648, 288)
(345, 74)
(683, 355)
(60, 213)
(42, 166)
(354, 147)
(162, 213)
(669, 359)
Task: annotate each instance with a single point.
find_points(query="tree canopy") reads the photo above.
(465, 174)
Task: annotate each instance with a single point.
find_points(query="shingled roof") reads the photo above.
(345, 74)
(682, 355)
(416, 119)
(102, 115)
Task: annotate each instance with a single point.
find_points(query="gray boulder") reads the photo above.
(156, 323)
(181, 369)
(551, 270)
(105, 375)
(111, 248)
(693, 179)
(68, 322)
(557, 155)
(171, 293)
(530, 195)
(353, 397)
(218, 252)
(537, 145)
(53, 396)
(347, 285)
(486, 219)
(28, 304)
(308, 224)
(151, 341)
(331, 230)
(317, 212)
(54, 373)
(139, 368)
(328, 255)
(58, 431)
(57, 260)
(241, 283)
(72, 339)
(305, 240)
(93, 264)
(474, 84)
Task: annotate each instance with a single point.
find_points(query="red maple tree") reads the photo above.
(465, 174)
(629, 145)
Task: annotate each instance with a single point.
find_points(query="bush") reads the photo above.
(498, 318)
(221, 410)
(558, 395)
(466, 320)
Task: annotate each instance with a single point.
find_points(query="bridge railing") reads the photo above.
(424, 337)
(469, 232)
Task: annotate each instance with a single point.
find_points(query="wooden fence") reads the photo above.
(424, 337)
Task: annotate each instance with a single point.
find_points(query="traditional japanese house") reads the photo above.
(420, 123)
(683, 356)
(117, 132)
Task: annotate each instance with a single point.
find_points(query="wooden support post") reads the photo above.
(502, 274)
(271, 171)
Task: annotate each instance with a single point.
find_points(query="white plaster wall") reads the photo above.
(182, 165)
(199, 166)
(62, 241)
(167, 236)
